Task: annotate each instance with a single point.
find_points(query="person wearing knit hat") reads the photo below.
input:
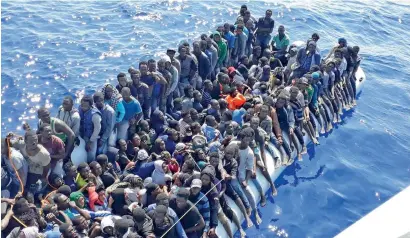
(122, 227)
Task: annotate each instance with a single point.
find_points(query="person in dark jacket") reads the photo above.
(90, 126)
(143, 224)
(204, 65)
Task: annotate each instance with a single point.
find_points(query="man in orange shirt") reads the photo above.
(235, 99)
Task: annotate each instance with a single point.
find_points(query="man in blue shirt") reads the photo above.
(133, 113)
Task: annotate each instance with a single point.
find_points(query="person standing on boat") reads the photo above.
(107, 122)
(54, 146)
(139, 90)
(160, 86)
(133, 113)
(68, 114)
(58, 128)
(90, 126)
(240, 44)
(264, 29)
(189, 69)
(204, 65)
(113, 98)
(174, 61)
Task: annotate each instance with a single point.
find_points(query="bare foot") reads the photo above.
(339, 120)
(322, 131)
(340, 112)
(300, 157)
(249, 222)
(316, 142)
(243, 234)
(289, 162)
(278, 163)
(258, 219)
(304, 150)
(248, 211)
(329, 127)
(263, 201)
(285, 159)
(354, 102)
(274, 191)
(335, 119)
(317, 134)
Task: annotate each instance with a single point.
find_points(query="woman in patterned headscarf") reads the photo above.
(113, 98)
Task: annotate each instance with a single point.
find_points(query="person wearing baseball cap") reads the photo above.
(201, 201)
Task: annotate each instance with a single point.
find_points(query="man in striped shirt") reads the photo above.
(201, 202)
(206, 93)
(185, 121)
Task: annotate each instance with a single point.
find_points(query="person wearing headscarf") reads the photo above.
(113, 98)
(160, 173)
(78, 198)
(107, 226)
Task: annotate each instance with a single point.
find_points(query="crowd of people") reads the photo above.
(173, 138)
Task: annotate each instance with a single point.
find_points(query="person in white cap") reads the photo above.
(201, 202)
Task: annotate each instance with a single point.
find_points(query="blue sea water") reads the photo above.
(57, 48)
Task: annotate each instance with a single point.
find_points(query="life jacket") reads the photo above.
(86, 124)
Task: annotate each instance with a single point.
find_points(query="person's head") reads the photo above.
(264, 111)
(356, 50)
(44, 115)
(64, 189)
(208, 85)
(143, 66)
(126, 94)
(311, 47)
(161, 65)
(152, 65)
(227, 116)
(223, 104)
(182, 198)
(171, 53)
(254, 123)
(86, 103)
(189, 91)
(282, 99)
(70, 169)
(329, 67)
(136, 77)
(268, 14)
(55, 180)
(315, 37)
(122, 145)
(197, 96)
(338, 62)
(78, 198)
(109, 91)
(62, 201)
(139, 217)
(186, 116)
(342, 42)
(227, 27)
(294, 92)
(302, 83)
(68, 103)
(217, 37)
(45, 132)
(196, 186)
(239, 21)
(98, 100)
(183, 51)
(160, 215)
(122, 79)
(107, 226)
(121, 227)
(144, 125)
(96, 168)
(243, 10)
(208, 42)
(80, 223)
(84, 170)
(246, 135)
(194, 114)
(197, 49)
(264, 60)
(102, 159)
(31, 140)
(206, 179)
(281, 30)
(214, 159)
(257, 51)
(211, 121)
(231, 151)
(173, 134)
(267, 53)
(161, 199)
(145, 142)
(215, 104)
(244, 60)
(239, 29)
(67, 231)
(136, 140)
(188, 166)
(160, 144)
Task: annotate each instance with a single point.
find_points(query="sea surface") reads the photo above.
(56, 48)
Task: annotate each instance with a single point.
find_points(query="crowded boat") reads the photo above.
(166, 149)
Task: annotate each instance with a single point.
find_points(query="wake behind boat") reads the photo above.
(186, 146)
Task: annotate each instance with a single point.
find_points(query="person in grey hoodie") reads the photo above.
(240, 44)
(107, 122)
(210, 47)
(189, 68)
